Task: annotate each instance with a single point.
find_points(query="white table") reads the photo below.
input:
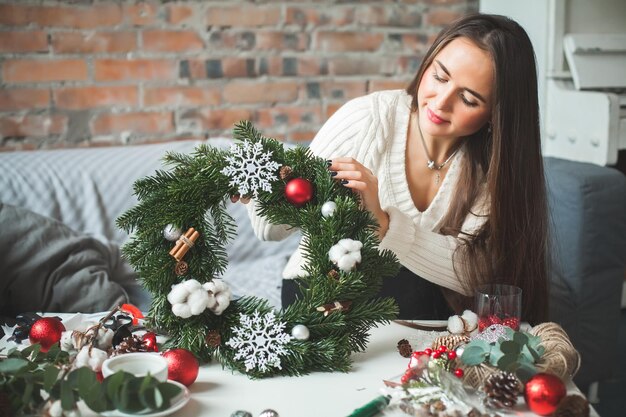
(218, 392)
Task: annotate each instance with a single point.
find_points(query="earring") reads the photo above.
(489, 128)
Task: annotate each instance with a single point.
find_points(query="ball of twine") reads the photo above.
(560, 357)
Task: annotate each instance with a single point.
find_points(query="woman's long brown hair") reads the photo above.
(511, 247)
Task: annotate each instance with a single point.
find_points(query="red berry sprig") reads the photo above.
(420, 358)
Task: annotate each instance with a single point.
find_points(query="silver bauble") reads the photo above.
(300, 332)
(241, 413)
(328, 208)
(172, 233)
(268, 413)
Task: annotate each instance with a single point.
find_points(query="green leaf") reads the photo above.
(483, 345)
(85, 379)
(520, 338)
(509, 346)
(169, 391)
(508, 362)
(12, 365)
(50, 375)
(68, 402)
(495, 356)
(525, 372)
(28, 393)
(473, 355)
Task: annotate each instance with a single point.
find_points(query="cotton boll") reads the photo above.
(471, 320)
(347, 262)
(67, 341)
(219, 295)
(178, 294)
(456, 325)
(105, 338)
(346, 254)
(198, 301)
(91, 357)
(181, 310)
(336, 252)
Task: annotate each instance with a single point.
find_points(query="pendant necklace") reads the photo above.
(432, 165)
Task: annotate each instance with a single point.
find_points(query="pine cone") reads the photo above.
(405, 349)
(333, 274)
(213, 338)
(181, 268)
(129, 345)
(572, 406)
(502, 389)
(285, 172)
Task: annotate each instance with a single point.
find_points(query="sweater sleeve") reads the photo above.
(341, 135)
(430, 254)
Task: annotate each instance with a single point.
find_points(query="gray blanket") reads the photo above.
(46, 266)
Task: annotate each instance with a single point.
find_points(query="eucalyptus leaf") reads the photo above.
(50, 375)
(12, 365)
(68, 402)
(525, 372)
(495, 356)
(509, 346)
(28, 393)
(520, 338)
(169, 391)
(486, 347)
(473, 355)
(85, 379)
(508, 362)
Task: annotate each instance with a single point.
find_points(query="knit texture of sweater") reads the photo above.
(373, 130)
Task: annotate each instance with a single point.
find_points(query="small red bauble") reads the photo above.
(442, 348)
(458, 372)
(299, 191)
(436, 354)
(182, 366)
(428, 351)
(452, 355)
(150, 342)
(46, 331)
(543, 393)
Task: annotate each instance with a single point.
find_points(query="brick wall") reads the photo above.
(90, 73)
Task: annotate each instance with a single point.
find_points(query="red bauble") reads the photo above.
(46, 331)
(150, 342)
(182, 365)
(299, 191)
(543, 393)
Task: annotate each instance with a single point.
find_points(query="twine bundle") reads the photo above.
(560, 357)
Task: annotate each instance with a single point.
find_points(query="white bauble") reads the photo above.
(172, 233)
(300, 332)
(328, 208)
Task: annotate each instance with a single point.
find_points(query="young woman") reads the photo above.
(452, 170)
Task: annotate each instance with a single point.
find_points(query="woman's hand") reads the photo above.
(354, 175)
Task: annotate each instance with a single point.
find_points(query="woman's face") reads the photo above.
(456, 91)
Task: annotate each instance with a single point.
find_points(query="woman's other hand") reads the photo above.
(356, 176)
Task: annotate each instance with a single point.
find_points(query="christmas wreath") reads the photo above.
(181, 226)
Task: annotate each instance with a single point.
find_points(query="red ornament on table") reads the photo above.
(299, 191)
(46, 331)
(543, 393)
(182, 366)
(150, 342)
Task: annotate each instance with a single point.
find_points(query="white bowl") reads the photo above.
(138, 364)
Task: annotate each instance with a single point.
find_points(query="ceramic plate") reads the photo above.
(177, 403)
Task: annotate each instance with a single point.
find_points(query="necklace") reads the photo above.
(432, 165)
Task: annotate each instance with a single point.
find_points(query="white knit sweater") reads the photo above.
(373, 130)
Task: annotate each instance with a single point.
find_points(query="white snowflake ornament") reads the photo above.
(346, 254)
(260, 340)
(250, 168)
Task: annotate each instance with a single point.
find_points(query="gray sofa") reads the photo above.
(84, 190)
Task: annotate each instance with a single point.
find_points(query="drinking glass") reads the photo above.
(498, 304)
